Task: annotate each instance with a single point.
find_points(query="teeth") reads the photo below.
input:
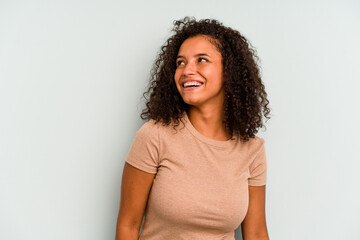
(192, 84)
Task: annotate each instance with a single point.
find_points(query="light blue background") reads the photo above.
(72, 74)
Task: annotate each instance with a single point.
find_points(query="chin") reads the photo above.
(192, 102)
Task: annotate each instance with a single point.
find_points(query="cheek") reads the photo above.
(214, 73)
(219, 74)
(177, 75)
(177, 78)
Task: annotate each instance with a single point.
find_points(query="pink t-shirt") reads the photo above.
(200, 190)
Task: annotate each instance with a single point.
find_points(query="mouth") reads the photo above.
(192, 84)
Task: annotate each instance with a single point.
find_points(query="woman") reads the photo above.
(196, 169)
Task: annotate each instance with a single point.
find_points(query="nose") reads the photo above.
(189, 69)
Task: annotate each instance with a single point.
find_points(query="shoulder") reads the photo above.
(149, 127)
(259, 143)
(149, 130)
(152, 128)
(257, 154)
(160, 133)
(255, 145)
(254, 150)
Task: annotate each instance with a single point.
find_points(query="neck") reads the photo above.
(208, 122)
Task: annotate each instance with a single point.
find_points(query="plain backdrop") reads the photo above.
(72, 76)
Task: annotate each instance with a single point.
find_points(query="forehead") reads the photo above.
(198, 44)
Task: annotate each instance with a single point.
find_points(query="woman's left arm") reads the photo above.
(254, 225)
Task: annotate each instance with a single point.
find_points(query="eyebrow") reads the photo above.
(197, 55)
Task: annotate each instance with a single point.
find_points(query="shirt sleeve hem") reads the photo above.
(256, 184)
(141, 167)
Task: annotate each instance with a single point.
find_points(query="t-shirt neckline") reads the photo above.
(207, 140)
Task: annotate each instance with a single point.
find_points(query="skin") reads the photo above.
(254, 225)
(135, 188)
(198, 60)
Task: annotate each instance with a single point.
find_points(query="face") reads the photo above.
(198, 75)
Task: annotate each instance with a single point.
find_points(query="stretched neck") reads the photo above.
(208, 122)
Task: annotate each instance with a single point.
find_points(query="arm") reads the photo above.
(254, 225)
(135, 188)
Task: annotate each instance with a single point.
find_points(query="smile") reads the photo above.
(192, 84)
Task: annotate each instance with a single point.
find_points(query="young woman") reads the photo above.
(195, 168)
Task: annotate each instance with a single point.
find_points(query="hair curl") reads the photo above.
(245, 101)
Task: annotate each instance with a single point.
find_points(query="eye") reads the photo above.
(201, 59)
(179, 63)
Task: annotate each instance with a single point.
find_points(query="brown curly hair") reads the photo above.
(245, 101)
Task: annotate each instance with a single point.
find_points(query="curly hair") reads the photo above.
(245, 101)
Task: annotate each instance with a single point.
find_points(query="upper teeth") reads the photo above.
(192, 84)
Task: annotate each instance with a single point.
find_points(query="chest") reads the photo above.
(201, 186)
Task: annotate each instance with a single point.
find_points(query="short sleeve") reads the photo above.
(258, 168)
(144, 151)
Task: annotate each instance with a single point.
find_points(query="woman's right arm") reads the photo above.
(135, 188)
